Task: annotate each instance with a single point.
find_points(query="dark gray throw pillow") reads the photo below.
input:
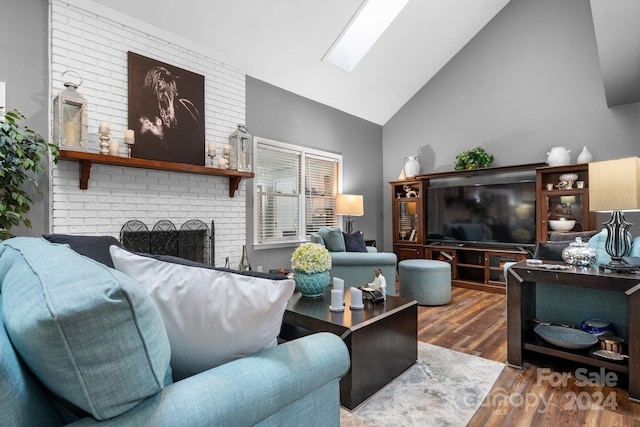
(94, 247)
(557, 236)
(187, 262)
(550, 251)
(354, 242)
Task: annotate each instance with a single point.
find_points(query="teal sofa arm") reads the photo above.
(295, 383)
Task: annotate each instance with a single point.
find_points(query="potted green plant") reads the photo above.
(21, 153)
(474, 158)
(311, 263)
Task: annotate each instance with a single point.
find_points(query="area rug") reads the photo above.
(444, 388)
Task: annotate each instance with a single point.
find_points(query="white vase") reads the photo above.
(585, 156)
(558, 156)
(411, 166)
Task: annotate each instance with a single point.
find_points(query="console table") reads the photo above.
(521, 310)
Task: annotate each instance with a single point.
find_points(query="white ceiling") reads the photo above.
(282, 42)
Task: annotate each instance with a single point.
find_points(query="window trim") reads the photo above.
(301, 237)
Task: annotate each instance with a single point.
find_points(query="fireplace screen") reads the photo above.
(193, 240)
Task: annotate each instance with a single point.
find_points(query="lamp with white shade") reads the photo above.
(350, 205)
(614, 186)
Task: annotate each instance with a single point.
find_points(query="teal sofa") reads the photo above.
(357, 268)
(82, 345)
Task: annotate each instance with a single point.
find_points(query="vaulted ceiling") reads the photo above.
(282, 42)
(618, 39)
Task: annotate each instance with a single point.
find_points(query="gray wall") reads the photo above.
(24, 68)
(528, 81)
(283, 116)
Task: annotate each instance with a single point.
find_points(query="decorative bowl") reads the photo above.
(562, 224)
(566, 337)
(311, 285)
(597, 327)
(568, 179)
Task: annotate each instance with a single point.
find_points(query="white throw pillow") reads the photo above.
(211, 316)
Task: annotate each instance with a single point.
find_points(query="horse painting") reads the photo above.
(168, 126)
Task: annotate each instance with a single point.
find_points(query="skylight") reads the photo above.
(365, 28)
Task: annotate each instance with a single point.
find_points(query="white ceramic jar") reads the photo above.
(412, 166)
(558, 156)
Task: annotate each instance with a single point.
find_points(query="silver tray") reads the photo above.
(566, 337)
(611, 355)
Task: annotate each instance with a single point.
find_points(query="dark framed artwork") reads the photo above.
(166, 111)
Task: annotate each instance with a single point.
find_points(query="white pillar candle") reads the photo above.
(212, 148)
(356, 299)
(103, 129)
(222, 163)
(70, 134)
(338, 284)
(113, 148)
(226, 149)
(336, 300)
(129, 136)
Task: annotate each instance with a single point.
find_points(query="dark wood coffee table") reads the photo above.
(382, 338)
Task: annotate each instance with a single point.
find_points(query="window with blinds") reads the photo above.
(295, 191)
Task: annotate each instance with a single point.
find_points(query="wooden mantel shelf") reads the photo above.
(86, 159)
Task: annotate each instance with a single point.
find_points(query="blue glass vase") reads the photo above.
(311, 285)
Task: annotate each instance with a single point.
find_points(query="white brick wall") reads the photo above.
(95, 45)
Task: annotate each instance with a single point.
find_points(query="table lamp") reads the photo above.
(350, 205)
(614, 186)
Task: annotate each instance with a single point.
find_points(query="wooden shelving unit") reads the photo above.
(86, 159)
(408, 231)
(548, 201)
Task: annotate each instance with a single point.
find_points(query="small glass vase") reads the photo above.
(244, 260)
(579, 253)
(311, 285)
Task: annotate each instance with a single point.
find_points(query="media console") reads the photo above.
(477, 263)
(476, 267)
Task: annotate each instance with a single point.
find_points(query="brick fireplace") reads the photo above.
(95, 44)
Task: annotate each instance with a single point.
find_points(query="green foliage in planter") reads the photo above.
(474, 158)
(21, 153)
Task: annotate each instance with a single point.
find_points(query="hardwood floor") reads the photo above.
(546, 392)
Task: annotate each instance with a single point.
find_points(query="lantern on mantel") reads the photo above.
(70, 117)
(241, 149)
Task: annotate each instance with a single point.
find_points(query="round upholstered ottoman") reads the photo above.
(426, 281)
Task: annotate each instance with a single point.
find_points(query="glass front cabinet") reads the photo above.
(408, 231)
(563, 200)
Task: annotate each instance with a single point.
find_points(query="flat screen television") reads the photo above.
(492, 214)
